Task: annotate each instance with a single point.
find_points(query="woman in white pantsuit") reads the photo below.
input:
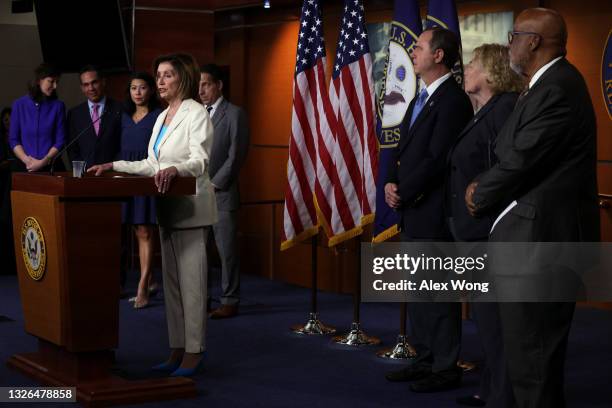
(180, 146)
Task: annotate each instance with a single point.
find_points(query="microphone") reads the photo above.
(77, 137)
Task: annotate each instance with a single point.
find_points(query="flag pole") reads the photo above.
(356, 336)
(313, 325)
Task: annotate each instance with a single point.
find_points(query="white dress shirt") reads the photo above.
(214, 106)
(431, 88)
(541, 71)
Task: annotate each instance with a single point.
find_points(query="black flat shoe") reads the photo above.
(435, 382)
(471, 401)
(411, 373)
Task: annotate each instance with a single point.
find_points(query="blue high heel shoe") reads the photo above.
(167, 366)
(188, 372)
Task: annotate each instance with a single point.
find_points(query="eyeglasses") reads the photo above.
(511, 34)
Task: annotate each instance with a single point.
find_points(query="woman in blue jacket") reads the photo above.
(37, 130)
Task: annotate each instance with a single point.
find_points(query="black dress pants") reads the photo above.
(535, 340)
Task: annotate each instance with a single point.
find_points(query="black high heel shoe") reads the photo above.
(153, 289)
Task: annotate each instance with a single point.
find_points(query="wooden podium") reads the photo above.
(67, 243)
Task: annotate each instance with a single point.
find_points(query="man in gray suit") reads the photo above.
(229, 150)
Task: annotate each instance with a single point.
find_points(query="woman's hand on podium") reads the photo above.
(163, 178)
(100, 168)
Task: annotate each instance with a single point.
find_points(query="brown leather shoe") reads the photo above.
(224, 312)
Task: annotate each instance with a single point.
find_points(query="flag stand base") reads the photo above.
(313, 327)
(402, 350)
(356, 337)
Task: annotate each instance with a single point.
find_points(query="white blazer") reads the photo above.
(186, 145)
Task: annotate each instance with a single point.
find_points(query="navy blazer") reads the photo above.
(418, 165)
(471, 155)
(95, 149)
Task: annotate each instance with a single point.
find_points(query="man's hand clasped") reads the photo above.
(469, 198)
(392, 197)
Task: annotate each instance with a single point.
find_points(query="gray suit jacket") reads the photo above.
(229, 150)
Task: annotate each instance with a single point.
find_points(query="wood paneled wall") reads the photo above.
(159, 31)
(588, 24)
(162, 28)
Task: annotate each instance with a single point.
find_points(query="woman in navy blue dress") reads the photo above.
(141, 111)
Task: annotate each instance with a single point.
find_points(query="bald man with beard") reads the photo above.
(543, 189)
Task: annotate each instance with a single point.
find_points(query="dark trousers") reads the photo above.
(535, 340)
(436, 329)
(495, 385)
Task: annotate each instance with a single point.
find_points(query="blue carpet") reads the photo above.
(253, 360)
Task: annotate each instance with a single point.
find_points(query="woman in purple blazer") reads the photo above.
(37, 130)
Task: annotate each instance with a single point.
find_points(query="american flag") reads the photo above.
(310, 169)
(356, 151)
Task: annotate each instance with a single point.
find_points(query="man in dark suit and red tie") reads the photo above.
(99, 117)
(415, 188)
(545, 184)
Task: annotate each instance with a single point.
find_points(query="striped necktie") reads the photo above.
(522, 96)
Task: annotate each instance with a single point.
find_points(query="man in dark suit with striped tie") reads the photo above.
(415, 188)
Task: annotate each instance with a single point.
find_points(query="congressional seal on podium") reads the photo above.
(33, 248)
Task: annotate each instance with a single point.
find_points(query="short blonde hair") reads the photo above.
(495, 59)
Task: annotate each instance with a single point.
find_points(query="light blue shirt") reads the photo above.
(160, 136)
(101, 105)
